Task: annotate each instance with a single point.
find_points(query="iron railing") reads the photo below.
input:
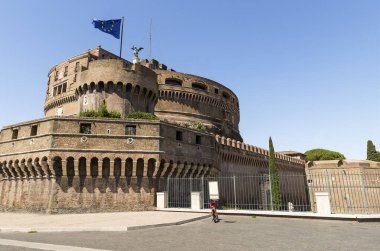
(348, 193)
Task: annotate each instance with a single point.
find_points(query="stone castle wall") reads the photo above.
(68, 163)
(353, 185)
(107, 170)
(243, 159)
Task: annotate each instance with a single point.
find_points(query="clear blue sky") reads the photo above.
(306, 72)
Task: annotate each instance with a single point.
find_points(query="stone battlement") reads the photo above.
(254, 149)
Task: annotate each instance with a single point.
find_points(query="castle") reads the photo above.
(68, 163)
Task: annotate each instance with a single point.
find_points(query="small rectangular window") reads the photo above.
(55, 91)
(198, 140)
(33, 130)
(216, 91)
(130, 130)
(76, 66)
(64, 87)
(14, 133)
(85, 128)
(178, 136)
(59, 89)
(66, 70)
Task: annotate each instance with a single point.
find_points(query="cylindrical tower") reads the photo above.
(187, 99)
(86, 81)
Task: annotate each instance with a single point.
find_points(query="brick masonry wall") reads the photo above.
(95, 195)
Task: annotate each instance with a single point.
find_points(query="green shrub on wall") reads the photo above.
(323, 154)
(142, 115)
(198, 126)
(102, 113)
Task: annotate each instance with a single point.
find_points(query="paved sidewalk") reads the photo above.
(309, 215)
(122, 221)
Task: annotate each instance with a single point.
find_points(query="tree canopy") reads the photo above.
(372, 154)
(323, 154)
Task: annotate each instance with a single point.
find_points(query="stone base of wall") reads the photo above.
(77, 195)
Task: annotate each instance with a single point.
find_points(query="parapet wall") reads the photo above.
(244, 159)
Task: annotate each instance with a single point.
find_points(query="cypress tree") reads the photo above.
(372, 154)
(274, 178)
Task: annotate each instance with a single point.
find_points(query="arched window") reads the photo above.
(173, 82)
(199, 86)
(226, 95)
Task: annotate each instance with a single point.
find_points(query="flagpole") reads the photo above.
(150, 39)
(121, 40)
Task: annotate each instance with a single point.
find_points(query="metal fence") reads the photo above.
(348, 193)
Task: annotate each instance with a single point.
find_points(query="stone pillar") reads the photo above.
(49, 163)
(44, 167)
(156, 168)
(174, 167)
(29, 166)
(134, 168)
(199, 171)
(205, 170)
(191, 172)
(180, 168)
(162, 200)
(122, 171)
(24, 170)
(323, 203)
(166, 166)
(112, 168)
(146, 165)
(196, 201)
(64, 167)
(100, 168)
(17, 169)
(185, 169)
(5, 171)
(76, 167)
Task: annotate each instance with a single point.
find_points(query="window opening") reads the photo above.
(173, 82)
(179, 136)
(130, 130)
(85, 128)
(198, 86)
(33, 130)
(198, 140)
(14, 133)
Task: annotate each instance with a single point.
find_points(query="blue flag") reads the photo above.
(109, 26)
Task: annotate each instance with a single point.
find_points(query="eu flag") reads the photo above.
(108, 26)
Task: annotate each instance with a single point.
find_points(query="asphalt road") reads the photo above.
(232, 233)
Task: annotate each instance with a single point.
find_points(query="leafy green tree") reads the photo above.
(372, 154)
(323, 154)
(274, 178)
